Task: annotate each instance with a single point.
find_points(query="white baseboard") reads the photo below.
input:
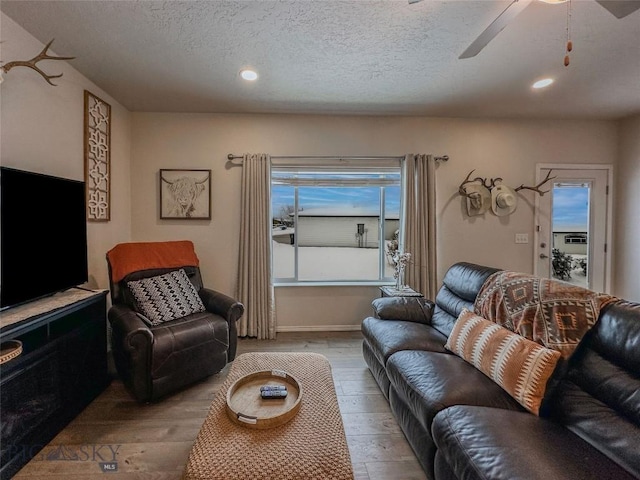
(318, 328)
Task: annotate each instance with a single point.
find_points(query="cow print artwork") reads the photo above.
(166, 297)
(185, 194)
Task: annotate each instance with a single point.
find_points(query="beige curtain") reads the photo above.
(255, 288)
(420, 223)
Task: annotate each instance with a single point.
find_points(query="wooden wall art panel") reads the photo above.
(97, 157)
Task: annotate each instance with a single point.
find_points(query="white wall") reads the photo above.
(509, 149)
(41, 130)
(627, 213)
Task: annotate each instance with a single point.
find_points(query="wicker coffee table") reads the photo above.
(312, 445)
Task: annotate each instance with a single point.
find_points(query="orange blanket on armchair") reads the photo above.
(126, 258)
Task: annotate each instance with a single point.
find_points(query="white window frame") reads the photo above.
(341, 165)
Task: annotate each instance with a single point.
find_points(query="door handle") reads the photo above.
(543, 256)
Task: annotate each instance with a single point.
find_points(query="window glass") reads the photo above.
(283, 236)
(391, 227)
(334, 224)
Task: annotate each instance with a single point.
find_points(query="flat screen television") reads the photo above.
(43, 235)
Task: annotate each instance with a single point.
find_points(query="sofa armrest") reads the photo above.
(219, 303)
(129, 327)
(228, 308)
(132, 343)
(410, 309)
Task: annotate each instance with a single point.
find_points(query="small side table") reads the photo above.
(391, 291)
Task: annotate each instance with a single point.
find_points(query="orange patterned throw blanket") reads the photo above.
(553, 313)
(126, 258)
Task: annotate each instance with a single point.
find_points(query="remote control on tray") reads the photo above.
(273, 394)
(268, 388)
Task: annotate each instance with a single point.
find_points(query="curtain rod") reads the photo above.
(442, 158)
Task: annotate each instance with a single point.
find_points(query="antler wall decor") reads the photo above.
(548, 178)
(483, 193)
(43, 55)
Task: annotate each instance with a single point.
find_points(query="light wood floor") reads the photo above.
(153, 441)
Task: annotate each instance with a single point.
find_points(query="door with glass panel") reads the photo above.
(573, 225)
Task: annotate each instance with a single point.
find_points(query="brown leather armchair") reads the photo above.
(152, 359)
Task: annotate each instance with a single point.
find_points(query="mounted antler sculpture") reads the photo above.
(43, 55)
(482, 194)
(548, 178)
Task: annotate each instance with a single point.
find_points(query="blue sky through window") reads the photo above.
(571, 206)
(336, 197)
(340, 192)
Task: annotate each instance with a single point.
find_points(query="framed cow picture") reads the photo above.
(185, 194)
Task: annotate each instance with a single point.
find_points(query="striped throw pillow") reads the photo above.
(520, 366)
(166, 297)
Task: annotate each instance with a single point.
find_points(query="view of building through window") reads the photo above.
(334, 226)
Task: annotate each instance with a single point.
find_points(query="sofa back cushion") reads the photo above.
(460, 286)
(599, 397)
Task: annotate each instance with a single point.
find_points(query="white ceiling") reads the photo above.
(381, 57)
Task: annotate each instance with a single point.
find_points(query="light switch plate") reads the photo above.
(522, 238)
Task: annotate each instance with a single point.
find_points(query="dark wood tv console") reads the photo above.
(62, 368)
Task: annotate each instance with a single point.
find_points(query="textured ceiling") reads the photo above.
(345, 57)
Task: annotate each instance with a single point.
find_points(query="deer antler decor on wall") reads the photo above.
(537, 187)
(483, 194)
(43, 55)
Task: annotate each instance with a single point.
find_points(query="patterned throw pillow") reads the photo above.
(521, 367)
(166, 297)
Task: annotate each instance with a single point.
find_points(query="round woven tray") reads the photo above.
(246, 407)
(10, 350)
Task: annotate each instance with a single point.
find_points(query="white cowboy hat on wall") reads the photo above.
(503, 200)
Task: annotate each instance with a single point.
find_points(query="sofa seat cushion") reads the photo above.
(387, 337)
(482, 443)
(429, 382)
(198, 332)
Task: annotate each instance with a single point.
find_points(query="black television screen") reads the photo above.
(43, 235)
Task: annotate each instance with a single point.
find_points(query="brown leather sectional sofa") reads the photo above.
(462, 425)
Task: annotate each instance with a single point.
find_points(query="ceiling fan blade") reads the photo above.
(509, 13)
(414, 1)
(620, 8)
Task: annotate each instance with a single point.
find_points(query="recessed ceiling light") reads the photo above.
(545, 82)
(249, 75)
(554, 1)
